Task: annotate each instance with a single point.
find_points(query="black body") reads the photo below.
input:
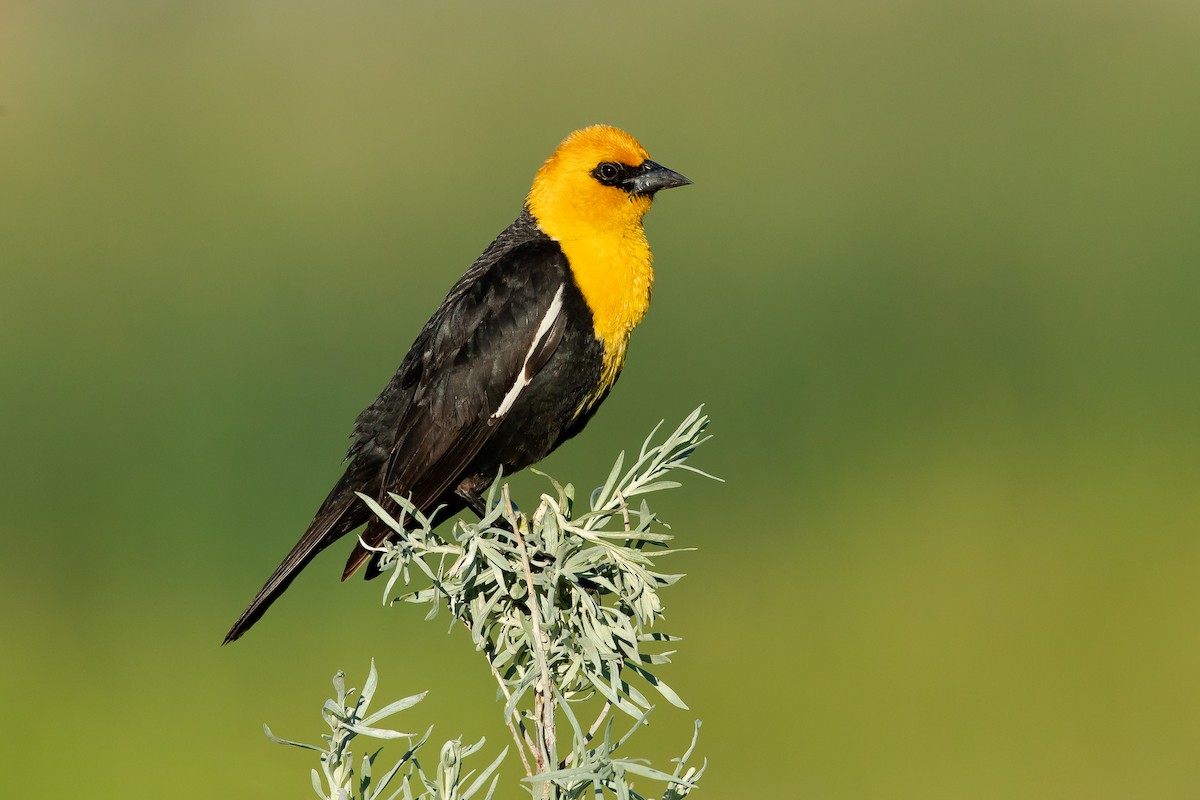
(439, 432)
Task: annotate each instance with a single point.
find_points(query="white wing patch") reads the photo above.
(523, 376)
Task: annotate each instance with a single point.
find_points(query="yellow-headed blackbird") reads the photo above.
(514, 362)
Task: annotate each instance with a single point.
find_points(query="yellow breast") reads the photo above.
(614, 275)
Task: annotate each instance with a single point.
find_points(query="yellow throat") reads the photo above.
(599, 229)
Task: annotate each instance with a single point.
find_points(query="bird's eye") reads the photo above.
(608, 171)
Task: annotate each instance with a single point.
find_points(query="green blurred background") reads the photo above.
(937, 282)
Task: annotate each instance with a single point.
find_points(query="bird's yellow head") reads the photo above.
(599, 180)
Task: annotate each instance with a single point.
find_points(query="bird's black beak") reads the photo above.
(651, 177)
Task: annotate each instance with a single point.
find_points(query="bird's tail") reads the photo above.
(333, 521)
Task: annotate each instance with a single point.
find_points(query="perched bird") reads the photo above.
(516, 359)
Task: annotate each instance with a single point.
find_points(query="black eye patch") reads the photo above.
(613, 173)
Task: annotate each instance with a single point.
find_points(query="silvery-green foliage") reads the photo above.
(348, 719)
(599, 770)
(562, 605)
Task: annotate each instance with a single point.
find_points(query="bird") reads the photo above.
(514, 362)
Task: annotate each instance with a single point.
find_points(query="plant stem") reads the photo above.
(527, 742)
(547, 745)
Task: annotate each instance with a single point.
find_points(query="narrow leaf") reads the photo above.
(289, 742)
(392, 708)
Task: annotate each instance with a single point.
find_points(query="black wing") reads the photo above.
(498, 326)
(479, 353)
